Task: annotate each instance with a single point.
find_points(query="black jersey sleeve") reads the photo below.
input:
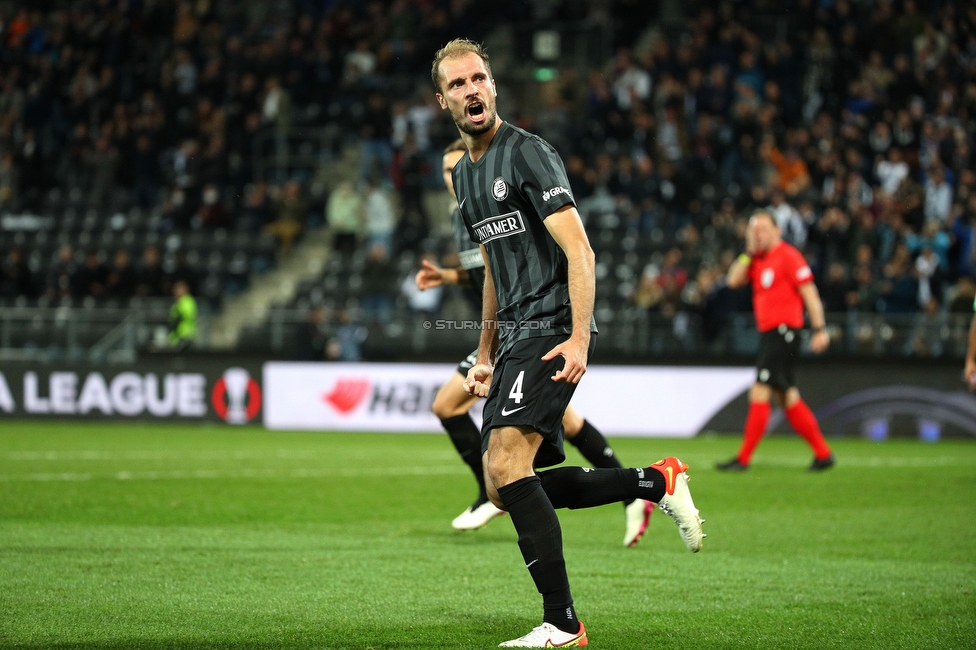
(541, 176)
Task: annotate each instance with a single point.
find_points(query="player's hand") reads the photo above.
(429, 276)
(574, 351)
(970, 374)
(478, 380)
(819, 341)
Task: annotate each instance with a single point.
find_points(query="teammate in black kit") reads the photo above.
(452, 403)
(537, 335)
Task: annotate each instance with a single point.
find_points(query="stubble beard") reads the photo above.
(465, 125)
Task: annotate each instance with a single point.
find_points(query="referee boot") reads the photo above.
(731, 466)
(820, 464)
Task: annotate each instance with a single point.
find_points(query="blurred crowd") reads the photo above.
(851, 121)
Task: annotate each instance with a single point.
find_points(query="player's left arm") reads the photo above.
(566, 228)
(811, 300)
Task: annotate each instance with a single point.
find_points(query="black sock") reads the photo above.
(541, 542)
(596, 450)
(582, 487)
(594, 447)
(467, 440)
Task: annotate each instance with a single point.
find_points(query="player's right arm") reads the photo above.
(970, 368)
(479, 376)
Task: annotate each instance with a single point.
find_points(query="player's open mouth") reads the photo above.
(476, 112)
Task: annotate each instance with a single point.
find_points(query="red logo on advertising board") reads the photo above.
(347, 394)
(236, 396)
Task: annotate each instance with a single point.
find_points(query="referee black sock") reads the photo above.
(582, 487)
(467, 440)
(541, 542)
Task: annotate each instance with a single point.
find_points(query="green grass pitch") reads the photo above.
(159, 536)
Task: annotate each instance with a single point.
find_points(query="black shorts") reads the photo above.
(468, 363)
(523, 393)
(778, 350)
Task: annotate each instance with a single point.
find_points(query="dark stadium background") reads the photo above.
(282, 159)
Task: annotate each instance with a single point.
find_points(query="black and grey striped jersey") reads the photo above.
(504, 199)
(471, 261)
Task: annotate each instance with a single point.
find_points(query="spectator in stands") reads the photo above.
(121, 279)
(899, 287)
(290, 212)
(16, 278)
(376, 151)
(380, 220)
(938, 195)
(349, 336)
(891, 171)
(92, 277)
(311, 338)
(212, 213)
(149, 277)
(671, 279)
(414, 223)
(343, 214)
(836, 289)
(379, 286)
(257, 205)
(788, 219)
(9, 181)
(792, 176)
(426, 302)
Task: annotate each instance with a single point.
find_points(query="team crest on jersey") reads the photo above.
(766, 278)
(499, 189)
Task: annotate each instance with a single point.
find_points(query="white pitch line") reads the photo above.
(206, 474)
(91, 454)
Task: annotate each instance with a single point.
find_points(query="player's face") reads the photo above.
(764, 232)
(451, 158)
(468, 92)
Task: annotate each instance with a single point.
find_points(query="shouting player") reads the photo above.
(782, 284)
(537, 334)
(452, 402)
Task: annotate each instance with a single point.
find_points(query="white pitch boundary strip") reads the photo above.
(419, 470)
(126, 475)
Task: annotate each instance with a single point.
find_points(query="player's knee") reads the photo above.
(493, 496)
(760, 393)
(572, 423)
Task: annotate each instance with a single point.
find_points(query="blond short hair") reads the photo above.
(457, 47)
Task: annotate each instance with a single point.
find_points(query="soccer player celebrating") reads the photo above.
(452, 402)
(782, 284)
(538, 331)
(969, 370)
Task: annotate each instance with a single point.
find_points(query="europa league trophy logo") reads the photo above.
(236, 380)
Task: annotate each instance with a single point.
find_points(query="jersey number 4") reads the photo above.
(516, 393)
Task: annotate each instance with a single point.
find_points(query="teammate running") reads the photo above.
(538, 332)
(452, 402)
(782, 284)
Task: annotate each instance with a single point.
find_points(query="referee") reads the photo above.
(782, 284)
(538, 332)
